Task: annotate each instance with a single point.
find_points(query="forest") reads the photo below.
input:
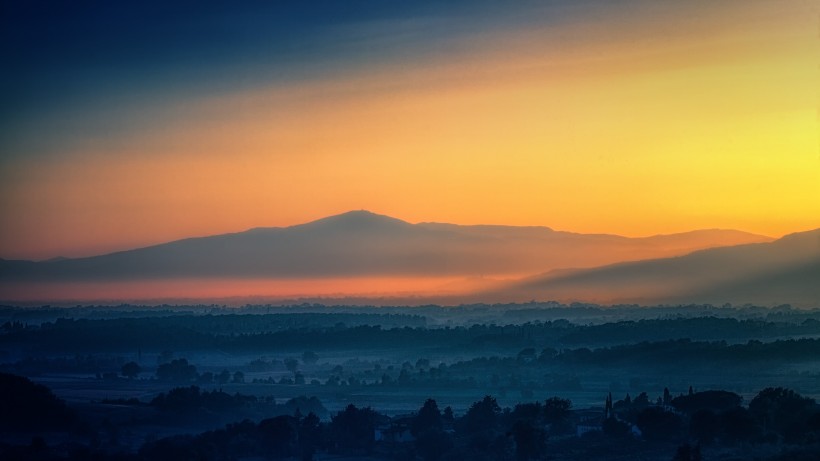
(514, 381)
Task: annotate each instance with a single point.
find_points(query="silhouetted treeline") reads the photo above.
(191, 400)
(777, 421)
(528, 369)
(510, 313)
(682, 351)
(658, 356)
(328, 331)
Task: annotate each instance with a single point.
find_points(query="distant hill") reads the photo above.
(360, 243)
(784, 271)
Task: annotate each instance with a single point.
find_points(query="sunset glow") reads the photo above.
(662, 118)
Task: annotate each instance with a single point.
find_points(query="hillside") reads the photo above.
(784, 271)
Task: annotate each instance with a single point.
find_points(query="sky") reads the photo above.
(125, 124)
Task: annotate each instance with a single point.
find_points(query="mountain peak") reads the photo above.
(359, 214)
(356, 220)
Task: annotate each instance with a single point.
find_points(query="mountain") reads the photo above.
(783, 271)
(360, 243)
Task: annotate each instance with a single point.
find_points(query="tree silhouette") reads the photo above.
(310, 436)
(658, 424)
(291, 364)
(704, 426)
(738, 425)
(224, 377)
(447, 415)
(432, 444)
(528, 412)
(177, 370)
(782, 411)
(428, 418)
(482, 415)
(556, 413)
(352, 430)
(706, 400)
(131, 370)
(530, 441)
(281, 435)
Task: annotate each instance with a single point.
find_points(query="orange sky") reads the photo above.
(236, 291)
(619, 126)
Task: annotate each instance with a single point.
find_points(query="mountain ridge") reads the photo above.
(360, 217)
(784, 270)
(362, 243)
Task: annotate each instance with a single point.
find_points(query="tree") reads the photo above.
(224, 377)
(352, 430)
(280, 435)
(706, 400)
(530, 441)
(704, 426)
(177, 370)
(239, 377)
(131, 370)
(782, 411)
(299, 378)
(641, 401)
(310, 436)
(448, 416)
(432, 444)
(528, 412)
(556, 409)
(738, 425)
(556, 413)
(291, 364)
(426, 427)
(179, 399)
(658, 424)
(482, 415)
(428, 418)
(626, 403)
